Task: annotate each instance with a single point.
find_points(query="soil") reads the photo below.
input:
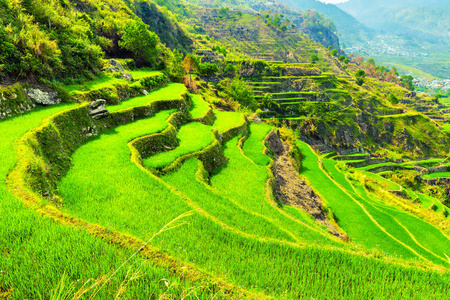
(291, 190)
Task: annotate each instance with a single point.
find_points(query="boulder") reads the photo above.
(145, 92)
(97, 109)
(43, 98)
(127, 76)
(116, 65)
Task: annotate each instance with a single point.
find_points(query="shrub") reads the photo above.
(142, 42)
(237, 90)
(207, 68)
(314, 58)
(393, 99)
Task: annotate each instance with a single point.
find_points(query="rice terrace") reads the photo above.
(213, 150)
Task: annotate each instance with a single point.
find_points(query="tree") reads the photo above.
(334, 52)
(342, 57)
(230, 69)
(237, 90)
(314, 58)
(142, 42)
(360, 77)
(406, 81)
(346, 60)
(393, 99)
(207, 68)
(190, 63)
(174, 65)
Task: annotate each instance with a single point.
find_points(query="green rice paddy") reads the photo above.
(238, 235)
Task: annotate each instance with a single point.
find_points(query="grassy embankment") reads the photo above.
(38, 252)
(390, 235)
(110, 190)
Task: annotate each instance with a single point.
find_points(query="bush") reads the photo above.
(237, 90)
(207, 68)
(230, 69)
(360, 77)
(142, 42)
(314, 58)
(393, 99)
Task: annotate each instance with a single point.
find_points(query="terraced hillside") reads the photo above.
(87, 193)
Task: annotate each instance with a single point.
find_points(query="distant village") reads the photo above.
(434, 84)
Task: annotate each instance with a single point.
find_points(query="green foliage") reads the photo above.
(314, 58)
(237, 90)
(360, 77)
(174, 65)
(393, 99)
(230, 69)
(334, 52)
(342, 58)
(208, 68)
(407, 82)
(142, 42)
(253, 147)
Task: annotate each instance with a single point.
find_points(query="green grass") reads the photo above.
(171, 91)
(199, 107)
(373, 166)
(389, 185)
(105, 81)
(384, 216)
(253, 146)
(221, 207)
(226, 120)
(446, 127)
(192, 137)
(245, 182)
(112, 191)
(436, 175)
(431, 160)
(36, 251)
(344, 203)
(294, 101)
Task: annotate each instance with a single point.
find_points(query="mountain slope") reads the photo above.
(415, 19)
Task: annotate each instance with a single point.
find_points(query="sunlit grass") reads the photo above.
(171, 91)
(199, 106)
(227, 120)
(192, 137)
(36, 251)
(105, 81)
(253, 146)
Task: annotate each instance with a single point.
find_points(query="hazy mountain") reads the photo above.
(415, 19)
(349, 27)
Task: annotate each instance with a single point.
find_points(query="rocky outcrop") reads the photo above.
(115, 66)
(291, 190)
(44, 98)
(14, 101)
(97, 109)
(127, 76)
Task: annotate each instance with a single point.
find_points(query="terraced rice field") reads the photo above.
(107, 81)
(239, 243)
(383, 228)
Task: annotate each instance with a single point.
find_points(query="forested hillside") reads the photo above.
(224, 150)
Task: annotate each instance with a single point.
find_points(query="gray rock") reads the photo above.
(145, 92)
(97, 109)
(44, 98)
(112, 69)
(114, 63)
(127, 76)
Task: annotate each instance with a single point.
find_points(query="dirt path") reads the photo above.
(291, 190)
